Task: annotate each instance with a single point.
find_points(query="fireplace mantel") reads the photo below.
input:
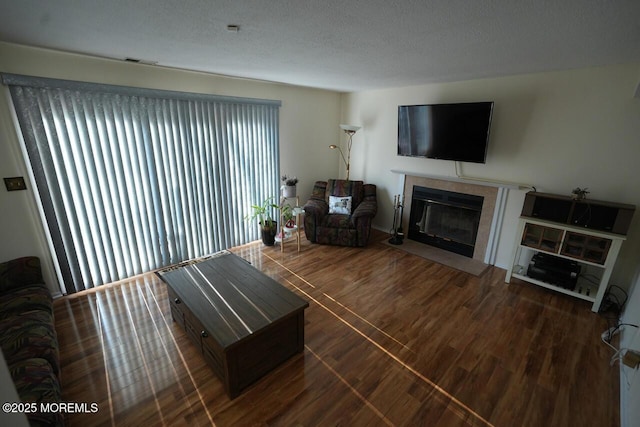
(492, 215)
(467, 180)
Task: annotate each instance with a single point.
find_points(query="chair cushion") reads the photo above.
(337, 221)
(340, 205)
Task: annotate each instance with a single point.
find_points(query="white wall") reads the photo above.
(556, 131)
(308, 124)
(630, 378)
(20, 232)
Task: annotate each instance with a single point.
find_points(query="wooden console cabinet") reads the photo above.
(244, 323)
(574, 230)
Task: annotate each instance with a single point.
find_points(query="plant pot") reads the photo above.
(289, 191)
(268, 234)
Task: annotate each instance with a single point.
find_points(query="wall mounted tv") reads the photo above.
(445, 131)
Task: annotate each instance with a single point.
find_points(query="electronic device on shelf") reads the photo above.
(554, 270)
(445, 131)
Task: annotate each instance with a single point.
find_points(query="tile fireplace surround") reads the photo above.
(490, 217)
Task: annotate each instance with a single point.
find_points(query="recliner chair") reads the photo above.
(339, 212)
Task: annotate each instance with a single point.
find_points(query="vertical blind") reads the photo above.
(131, 180)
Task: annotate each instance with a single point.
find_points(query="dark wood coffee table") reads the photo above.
(244, 322)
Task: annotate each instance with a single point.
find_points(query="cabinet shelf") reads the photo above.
(588, 248)
(541, 237)
(583, 289)
(565, 256)
(287, 233)
(594, 251)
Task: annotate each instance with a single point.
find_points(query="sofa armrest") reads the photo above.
(20, 272)
(316, 208)
(368, 208)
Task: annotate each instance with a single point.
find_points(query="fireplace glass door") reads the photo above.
(445, 219)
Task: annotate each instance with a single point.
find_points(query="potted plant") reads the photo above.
(289, 187)
(268, 226)
(579, 193)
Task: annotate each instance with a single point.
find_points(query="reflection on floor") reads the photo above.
(391, 339)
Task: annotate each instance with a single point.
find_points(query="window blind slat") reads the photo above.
(133, 180)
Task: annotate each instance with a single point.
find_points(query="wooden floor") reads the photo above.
(391, 339)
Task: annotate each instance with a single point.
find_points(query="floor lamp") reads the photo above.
(349, 130)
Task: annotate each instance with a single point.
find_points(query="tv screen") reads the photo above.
(445, 131)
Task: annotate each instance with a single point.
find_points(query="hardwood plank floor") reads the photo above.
(391, 339)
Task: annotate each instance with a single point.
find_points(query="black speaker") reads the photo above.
(551, 209)
(591, 214)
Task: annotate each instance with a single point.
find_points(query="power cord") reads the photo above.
(607, 337)
(619, 353)
(614, 303)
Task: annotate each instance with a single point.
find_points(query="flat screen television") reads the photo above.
(445, 131)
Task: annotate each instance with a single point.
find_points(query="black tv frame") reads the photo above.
(454, 131)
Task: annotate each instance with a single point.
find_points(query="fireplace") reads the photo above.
(488, 229)
(445, 219)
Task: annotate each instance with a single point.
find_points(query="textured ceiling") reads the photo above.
(338, 45)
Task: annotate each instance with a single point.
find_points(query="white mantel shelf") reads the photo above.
(466, 180)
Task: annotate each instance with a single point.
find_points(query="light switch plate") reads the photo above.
(15, 183)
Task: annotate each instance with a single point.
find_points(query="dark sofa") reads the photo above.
(349, 228)
(28, 337)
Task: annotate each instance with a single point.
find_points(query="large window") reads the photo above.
(131, 180)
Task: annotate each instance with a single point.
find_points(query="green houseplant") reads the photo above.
(268, 226)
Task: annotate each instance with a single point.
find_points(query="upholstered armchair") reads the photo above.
(339, 212)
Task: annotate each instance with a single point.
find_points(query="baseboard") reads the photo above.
(377, 227)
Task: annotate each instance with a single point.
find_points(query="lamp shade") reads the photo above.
(350, 128)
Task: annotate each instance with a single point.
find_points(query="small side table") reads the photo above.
(286, 233)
